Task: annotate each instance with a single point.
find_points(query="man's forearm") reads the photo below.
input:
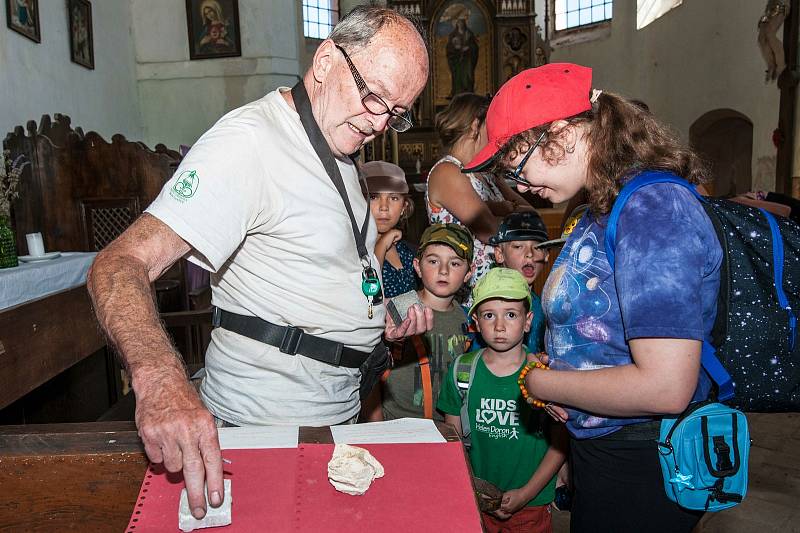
(120, 289)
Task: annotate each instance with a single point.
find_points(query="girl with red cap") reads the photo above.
(625, 340)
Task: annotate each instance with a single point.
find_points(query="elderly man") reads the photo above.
(291, 254)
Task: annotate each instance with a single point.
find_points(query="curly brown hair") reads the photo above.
(622, 139)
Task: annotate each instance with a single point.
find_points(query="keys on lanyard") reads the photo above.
(371, 287)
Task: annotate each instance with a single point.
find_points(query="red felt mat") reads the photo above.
(426, 488)
(262, 486)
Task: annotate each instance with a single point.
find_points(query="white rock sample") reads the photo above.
(352, 469)
(215, 517)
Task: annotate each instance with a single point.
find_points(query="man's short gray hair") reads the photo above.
(356, 29)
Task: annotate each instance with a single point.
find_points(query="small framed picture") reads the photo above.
(22, 16)
(81, 42)
(213, 28)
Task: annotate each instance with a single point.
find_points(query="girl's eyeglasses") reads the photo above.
(513, 175)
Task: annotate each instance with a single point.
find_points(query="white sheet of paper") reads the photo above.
(253, 437)
(400, 431)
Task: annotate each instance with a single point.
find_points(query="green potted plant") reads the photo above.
(10, 173)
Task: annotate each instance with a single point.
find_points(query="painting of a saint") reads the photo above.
(462, 48)
(22, 16)
(213, 28)
(80, 33)
(462, 52)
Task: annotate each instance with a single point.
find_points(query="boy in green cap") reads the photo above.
(516, 246)
(513, 445)
(411, 388)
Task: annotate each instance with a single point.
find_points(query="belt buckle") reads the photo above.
(291, 340)
(216, 316)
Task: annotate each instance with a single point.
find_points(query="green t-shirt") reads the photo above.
(402, 391)
(508, 437)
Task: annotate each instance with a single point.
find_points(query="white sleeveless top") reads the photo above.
(487, 190)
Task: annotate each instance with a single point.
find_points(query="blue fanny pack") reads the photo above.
(704, 456)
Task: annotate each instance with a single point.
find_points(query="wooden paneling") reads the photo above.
(69, 477)
(69, 168)
(42, 338)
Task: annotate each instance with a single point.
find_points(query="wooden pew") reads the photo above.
(80, 192)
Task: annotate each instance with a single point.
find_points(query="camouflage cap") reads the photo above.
(456, 236)
(520, 227)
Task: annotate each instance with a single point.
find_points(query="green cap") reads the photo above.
(500, 282)
(456, 236)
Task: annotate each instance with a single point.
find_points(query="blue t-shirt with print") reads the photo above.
(665, 285)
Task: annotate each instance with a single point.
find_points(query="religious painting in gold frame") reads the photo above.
(462, 50)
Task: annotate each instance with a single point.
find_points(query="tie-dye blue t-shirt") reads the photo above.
(665, 285)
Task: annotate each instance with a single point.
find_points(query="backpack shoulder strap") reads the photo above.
(463, 373)
(708, 357)
(777, 265)
(641, 180)
(425, 374)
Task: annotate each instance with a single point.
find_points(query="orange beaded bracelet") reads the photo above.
(530, 365)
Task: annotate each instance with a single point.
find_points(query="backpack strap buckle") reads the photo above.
(723, 452)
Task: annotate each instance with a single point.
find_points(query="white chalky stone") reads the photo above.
(352, 469)
(215, 517)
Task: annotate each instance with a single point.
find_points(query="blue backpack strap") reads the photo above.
(777, 262)
(708, 356)
(645, 178)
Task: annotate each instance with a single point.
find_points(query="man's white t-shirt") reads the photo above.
(255, 203)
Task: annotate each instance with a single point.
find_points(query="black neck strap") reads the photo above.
(303, 106)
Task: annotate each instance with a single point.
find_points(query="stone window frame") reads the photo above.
(333, 8)
(576, 34)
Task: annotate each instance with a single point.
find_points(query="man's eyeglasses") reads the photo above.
(373, 103)
(513, 175)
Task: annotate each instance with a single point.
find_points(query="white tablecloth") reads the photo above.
(30, 281)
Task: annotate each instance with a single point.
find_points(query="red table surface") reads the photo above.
(426, 488)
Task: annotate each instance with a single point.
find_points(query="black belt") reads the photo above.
(289, 339)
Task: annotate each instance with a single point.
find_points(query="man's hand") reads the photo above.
(419, 319)
(178, 430)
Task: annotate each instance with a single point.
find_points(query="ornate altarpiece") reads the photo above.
(475, 45)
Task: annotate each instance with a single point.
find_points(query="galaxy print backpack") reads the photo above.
(755, 354)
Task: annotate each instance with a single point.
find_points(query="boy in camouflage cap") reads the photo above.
(517, 246)
(444, 263)
(456, 236)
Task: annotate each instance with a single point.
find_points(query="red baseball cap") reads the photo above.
(531, 98)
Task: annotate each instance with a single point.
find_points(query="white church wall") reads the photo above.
(180, 98)
(699, 57)
(37, 79)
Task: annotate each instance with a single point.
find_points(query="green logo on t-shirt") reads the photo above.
(185, 186)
